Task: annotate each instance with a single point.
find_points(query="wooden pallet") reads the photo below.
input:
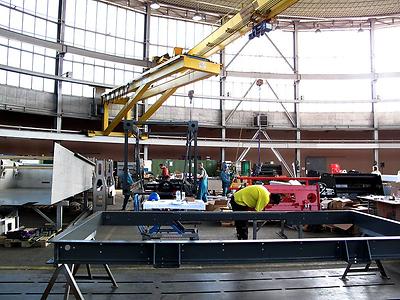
(14, 243)
(34, 242)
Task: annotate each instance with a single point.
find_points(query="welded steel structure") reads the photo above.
(75, 245)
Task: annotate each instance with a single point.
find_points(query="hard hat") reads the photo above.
(154, 197)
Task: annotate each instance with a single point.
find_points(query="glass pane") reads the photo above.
(3, 77)
(52, 9)
(29, 24)
(90, 41)
(80, 14)
(37, 83)
(91, 15)
(26, 81)
(70, 12)
(111, 20)
(139, 26)
(120, 47)
(40, 28)
(26, 60)
(100, 43)
(14, 57)
(76, 89)
(48, 85)
(130, 25)
(50, 65)
(51, 31)
(88, 74)
(16, 20)
(77, 70)
(13, 79)
(121, 26)
(79, 39)
(101, 17)
(99, 74)
(5, 12)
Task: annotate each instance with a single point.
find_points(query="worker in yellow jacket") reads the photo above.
(253, 197)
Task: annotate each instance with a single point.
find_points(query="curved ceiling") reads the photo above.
(315, 9)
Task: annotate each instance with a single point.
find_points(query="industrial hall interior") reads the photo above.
(199, 149)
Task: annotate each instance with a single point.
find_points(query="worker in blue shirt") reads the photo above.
(127, 184)
(203, 183)
(225, 178)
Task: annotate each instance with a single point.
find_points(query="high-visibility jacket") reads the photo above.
(253, 196)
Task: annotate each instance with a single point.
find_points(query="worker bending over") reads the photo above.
(253, 197)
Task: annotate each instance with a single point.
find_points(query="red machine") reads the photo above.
(295, 197)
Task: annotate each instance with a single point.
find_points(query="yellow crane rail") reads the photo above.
(187, 68)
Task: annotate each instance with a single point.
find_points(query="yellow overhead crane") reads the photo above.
(166, 77)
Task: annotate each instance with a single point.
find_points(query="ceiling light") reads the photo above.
(317, 30)
(360, 29)
(154, 5)
(197, 17)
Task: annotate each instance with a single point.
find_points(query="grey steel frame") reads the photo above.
(76, 245)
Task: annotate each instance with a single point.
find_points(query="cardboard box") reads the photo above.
(340, 204)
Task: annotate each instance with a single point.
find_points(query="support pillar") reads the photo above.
(374, 95)
(297, 96)
(222, 91)
(59, 64)
(59, 216)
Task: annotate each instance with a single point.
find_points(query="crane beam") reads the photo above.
(238, 25)
(187, 68)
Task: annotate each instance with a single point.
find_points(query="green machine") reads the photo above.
(245, 167)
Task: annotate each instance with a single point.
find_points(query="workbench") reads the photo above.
(385, 206)
(171, 204)
(176, 229)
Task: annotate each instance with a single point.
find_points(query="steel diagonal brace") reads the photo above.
(127, 107)
(152, 109)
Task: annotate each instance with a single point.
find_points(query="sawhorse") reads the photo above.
(70, 276)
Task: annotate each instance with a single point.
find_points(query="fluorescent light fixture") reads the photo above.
(197, 17)
(154, 5)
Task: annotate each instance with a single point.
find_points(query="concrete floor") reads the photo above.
(24, 274)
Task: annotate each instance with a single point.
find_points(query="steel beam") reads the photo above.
(278, 155)
(59, 63)
(164, 141)
(373, 86)
(280, 53)
(152, 109)
(266, 75)
(240, 102)
(178, 64)
(296, 94)
(55, 77)
(382, 240)
(288, 115)
(61, 47)
(236, 54)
